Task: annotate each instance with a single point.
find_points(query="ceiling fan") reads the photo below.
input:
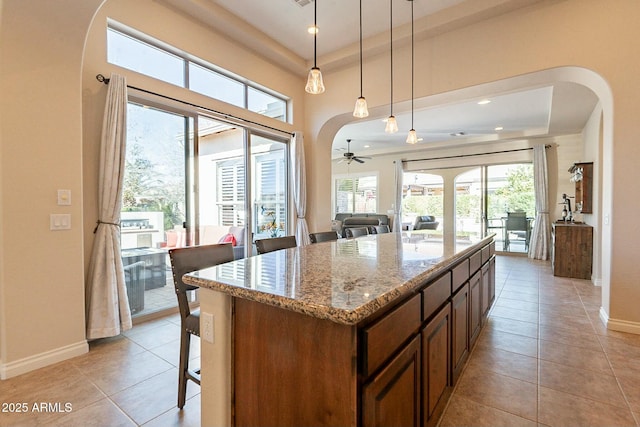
(350, 157)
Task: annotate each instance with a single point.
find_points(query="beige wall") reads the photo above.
(584, 41)
(42, 275)
(51, 112)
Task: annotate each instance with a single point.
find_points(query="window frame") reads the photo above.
(334, 192)
(188, 59)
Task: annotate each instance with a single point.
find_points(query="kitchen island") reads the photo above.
(367, 331)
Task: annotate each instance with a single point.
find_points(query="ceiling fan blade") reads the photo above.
(357, 159)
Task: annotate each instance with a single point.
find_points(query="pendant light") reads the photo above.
(412, 138)
(360, 109)
(315, 85)
(392, 124)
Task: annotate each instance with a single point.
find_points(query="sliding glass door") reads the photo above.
(154, 203)
(510, 193)
(191, 179)
(269, 206)
(243, 186)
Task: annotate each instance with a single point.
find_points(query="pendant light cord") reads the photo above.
(412, 66)
(360, 48)
(391, 43)
(315, 32)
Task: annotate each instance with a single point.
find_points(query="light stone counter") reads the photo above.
(344, 281)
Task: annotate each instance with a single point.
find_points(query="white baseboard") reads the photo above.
(596, 281)
(619, 325)
(31, 363)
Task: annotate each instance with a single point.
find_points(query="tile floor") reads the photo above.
(543, 358)
(129, 380)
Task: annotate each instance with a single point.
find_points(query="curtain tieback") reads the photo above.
(98, 222)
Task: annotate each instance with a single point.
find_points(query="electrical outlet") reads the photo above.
(206, 326)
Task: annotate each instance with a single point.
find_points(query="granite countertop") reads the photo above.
(344, 281)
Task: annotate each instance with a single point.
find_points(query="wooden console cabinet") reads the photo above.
(572, 250)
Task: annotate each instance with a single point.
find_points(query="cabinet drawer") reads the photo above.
(384, 337)
(486, 254)
(435, 294)
(459, 275)
(475, 262)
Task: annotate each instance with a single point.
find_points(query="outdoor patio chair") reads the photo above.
(516, 229)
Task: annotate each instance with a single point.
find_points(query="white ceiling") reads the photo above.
(277, 29)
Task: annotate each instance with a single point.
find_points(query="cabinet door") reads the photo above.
(459, 331)
(486, 290)
(392, 398)
(492, 280)
(436, 344)
(475, 308)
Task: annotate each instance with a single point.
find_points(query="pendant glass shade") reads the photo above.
(392, 125)
(361, 110)
(412, 138)
(314, 85)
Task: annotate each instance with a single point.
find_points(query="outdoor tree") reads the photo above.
(518, 194)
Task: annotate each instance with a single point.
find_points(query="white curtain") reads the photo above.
(299, 187)
(397, 211)
(541, 234)
(107, 304)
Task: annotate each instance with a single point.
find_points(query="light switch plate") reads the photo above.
(60, 222)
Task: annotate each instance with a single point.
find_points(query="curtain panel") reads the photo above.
(299, 187)
(541, 234)
(107, 305)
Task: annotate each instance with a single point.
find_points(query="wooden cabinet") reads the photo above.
(475, 308)
(582, 176)
(392, 398)
(436, 361)
(396, 368)
(459, 331)
(572, 250)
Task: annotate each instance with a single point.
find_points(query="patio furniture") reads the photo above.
(134, 277)
(425, 222)
(185, 260)
(155, 260)
(517, 229)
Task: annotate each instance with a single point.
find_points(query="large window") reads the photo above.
(356, 194)
(130, 49)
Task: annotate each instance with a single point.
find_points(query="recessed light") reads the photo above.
(497, 128)
(313, 29)
(367, 146)
(484, 102)
(457, 134)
